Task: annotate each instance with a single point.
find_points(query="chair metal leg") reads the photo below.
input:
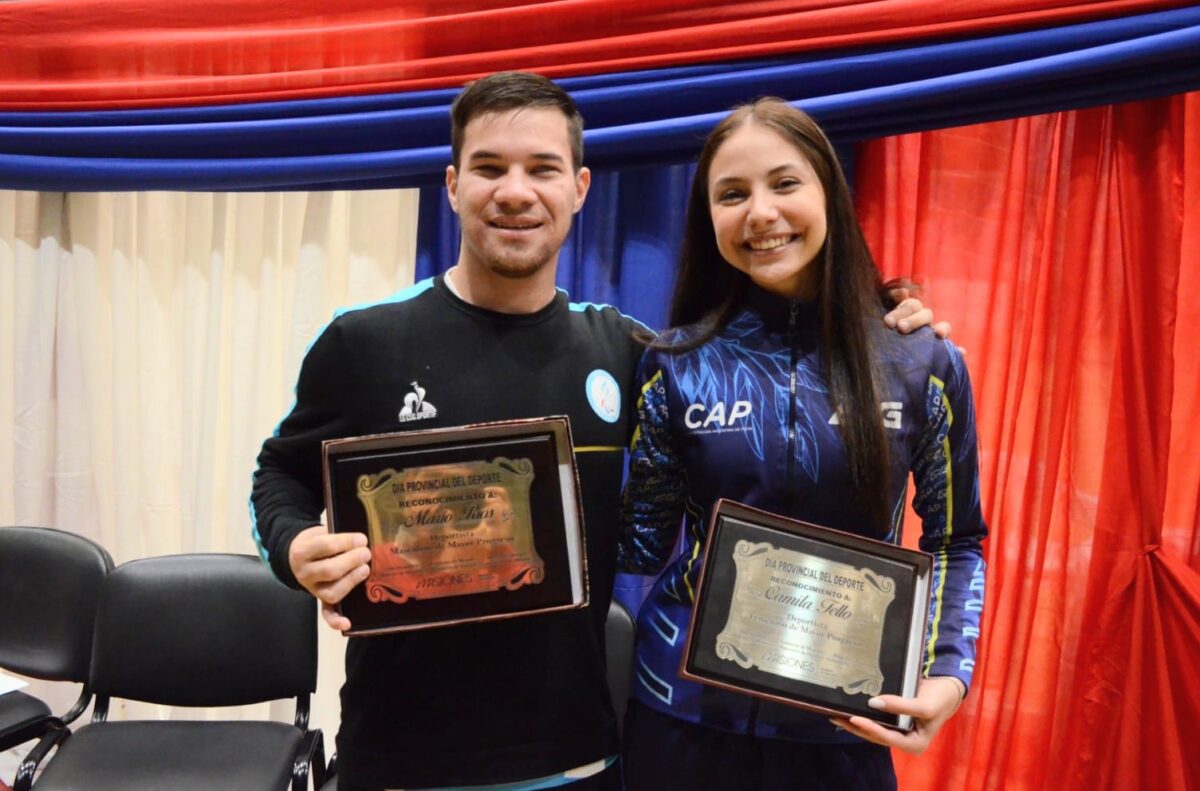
(310, 758)
(56, 737)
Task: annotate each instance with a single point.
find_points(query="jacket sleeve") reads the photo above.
(946, 472)
(653, 500)
(287, 492)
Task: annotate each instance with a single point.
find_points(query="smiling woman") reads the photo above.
(768, 211)
(777, 309)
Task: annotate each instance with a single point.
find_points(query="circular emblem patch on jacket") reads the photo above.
(604, 394)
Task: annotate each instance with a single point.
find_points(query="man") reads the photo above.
(523, 700)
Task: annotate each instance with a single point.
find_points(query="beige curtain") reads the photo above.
(150, 341)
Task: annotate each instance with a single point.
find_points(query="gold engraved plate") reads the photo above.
(806, 618)
(450, 530)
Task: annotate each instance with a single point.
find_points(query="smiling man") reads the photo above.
(515, 186)
(519, 703)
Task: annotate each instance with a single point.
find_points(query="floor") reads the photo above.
(9, 761)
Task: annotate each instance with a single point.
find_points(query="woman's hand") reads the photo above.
(937, 699)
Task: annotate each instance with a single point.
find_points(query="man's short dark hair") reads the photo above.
(511, 90)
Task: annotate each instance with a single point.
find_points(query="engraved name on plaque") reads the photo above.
(450, 529)
(464, 524)
(807, 616)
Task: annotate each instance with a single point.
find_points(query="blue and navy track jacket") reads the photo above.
(747, 416)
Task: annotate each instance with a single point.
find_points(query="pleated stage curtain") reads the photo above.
(1064, 248)
(898, 66)
(622, 250)
(127, 53)
(150, 341)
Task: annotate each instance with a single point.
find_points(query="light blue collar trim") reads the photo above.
(536, 784)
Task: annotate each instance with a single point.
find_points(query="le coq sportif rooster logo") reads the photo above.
(415, 406)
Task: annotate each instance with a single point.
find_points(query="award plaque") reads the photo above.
(464, 524)
(807, 616)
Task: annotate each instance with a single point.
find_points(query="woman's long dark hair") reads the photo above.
(708, 291)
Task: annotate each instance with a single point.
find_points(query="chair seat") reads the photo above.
(22, 717)
(174, 756)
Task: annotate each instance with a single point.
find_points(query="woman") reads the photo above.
(782, 390)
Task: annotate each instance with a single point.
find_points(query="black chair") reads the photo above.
(49, 584)
(193, 630)
(618, 639)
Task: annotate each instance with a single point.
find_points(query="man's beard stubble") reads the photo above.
(519, 267)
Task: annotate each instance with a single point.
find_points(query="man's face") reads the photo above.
(515, 190)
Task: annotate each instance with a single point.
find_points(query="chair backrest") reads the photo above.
(202, 630)
(49, 585)
(618, 640)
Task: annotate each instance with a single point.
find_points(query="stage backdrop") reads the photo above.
(1059, 245)
(117, 95)
(1064, 247)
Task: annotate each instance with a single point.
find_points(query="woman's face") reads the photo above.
(768, 210)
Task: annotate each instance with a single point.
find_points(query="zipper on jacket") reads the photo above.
(752, 720)
(791, 427)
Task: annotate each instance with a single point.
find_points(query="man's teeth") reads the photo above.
(516, 226)
(768, 244)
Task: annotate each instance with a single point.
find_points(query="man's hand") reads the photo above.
(328, 565)
(909, 314)
(937, 699)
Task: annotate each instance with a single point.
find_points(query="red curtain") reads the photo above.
(60, 54)
(1066, 251)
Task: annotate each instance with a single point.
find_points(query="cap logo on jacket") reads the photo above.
(699, 416)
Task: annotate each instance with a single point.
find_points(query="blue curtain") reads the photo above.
(621, 251)
(622, 247)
